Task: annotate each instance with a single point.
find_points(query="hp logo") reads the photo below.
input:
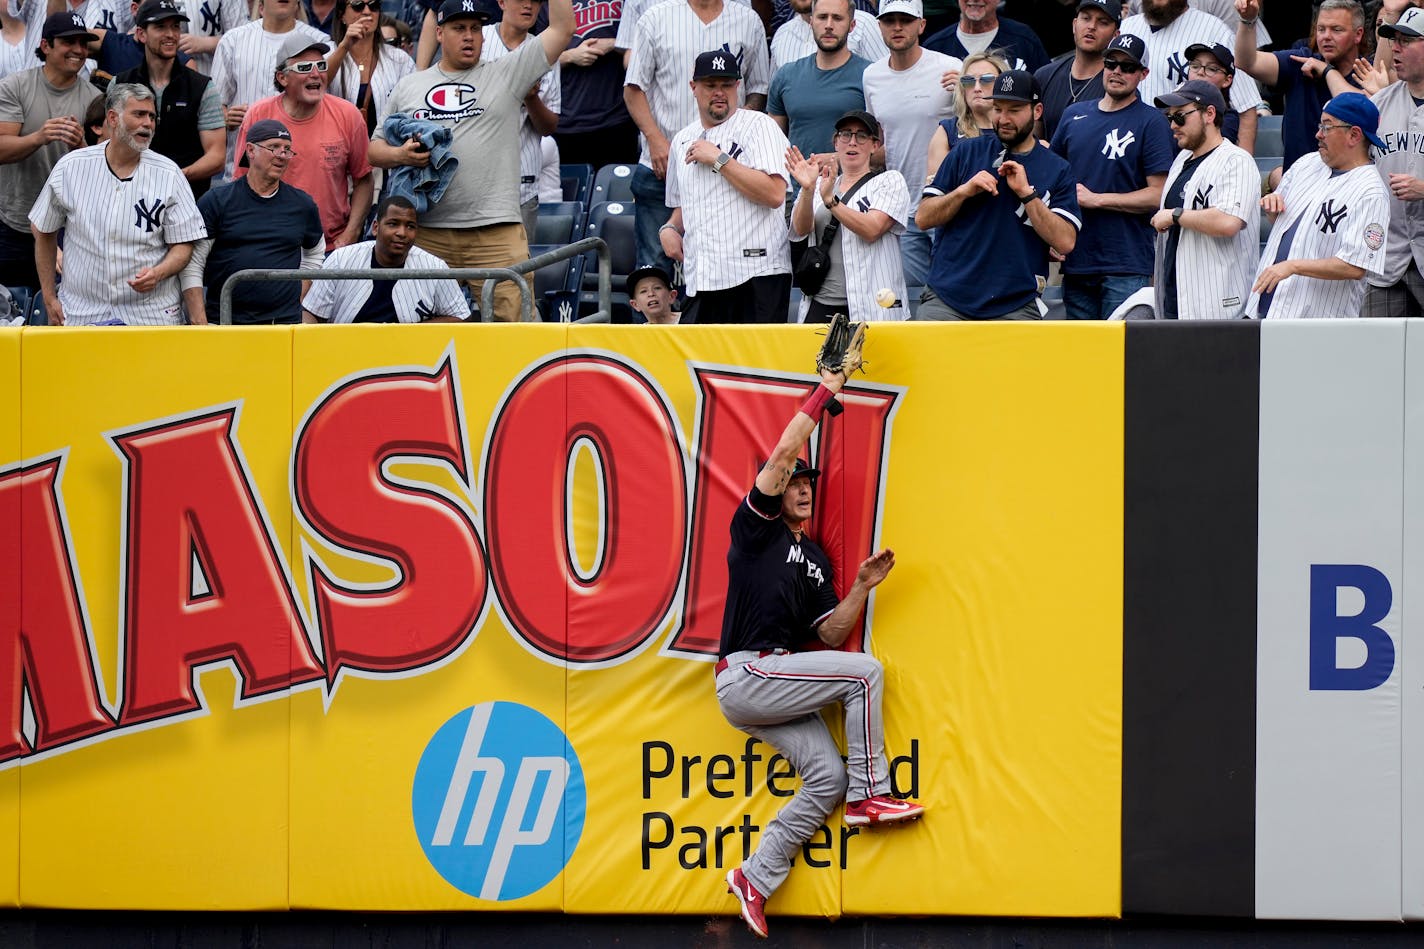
(498, 801)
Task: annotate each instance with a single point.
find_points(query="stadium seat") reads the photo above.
(555, 286)
(613, 183)
(577, 181)
(1268, 138)
(612, 221)
(1266, 163)
(559, 223)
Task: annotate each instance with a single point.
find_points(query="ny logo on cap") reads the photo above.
(468, 6)
(1008, 84)
(77, 20)
(719, 63)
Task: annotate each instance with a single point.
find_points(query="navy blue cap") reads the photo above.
(1133, 47)
(1218, 52)
(459, 9)
(1016, 85)
(1193, 92)
(716, 64)
(65, 23)
(1112, 8)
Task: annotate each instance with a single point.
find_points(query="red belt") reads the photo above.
(721, 665)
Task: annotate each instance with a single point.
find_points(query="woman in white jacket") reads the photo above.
(870, 210)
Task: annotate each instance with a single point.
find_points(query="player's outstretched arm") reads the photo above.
(776, 473)
(873, 569)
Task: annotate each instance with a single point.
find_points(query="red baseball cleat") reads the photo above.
(881, 809)
(753, 903)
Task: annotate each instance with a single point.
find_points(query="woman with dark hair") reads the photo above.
(364, 68)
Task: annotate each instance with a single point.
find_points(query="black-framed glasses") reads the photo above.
(1208, 69)
(983, 79)
(1180, 118)
(1125, 66)
(854, 135)
(306, 66)
(277, 151)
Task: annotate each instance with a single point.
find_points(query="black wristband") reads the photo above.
(1028, 198)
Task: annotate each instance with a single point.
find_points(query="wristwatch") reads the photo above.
(835, 200)
(1177, 215)
(720, 162)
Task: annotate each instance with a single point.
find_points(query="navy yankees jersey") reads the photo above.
(989, 260)
(1113, 153)
(778, 589)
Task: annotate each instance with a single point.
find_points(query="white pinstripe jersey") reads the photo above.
(1343, 215)
(531, 152)
(340, 301)
(113, 229)
(243, 66)
(1167, 55)
(909, 105)
(729, 238)
(1214, 274)
(793, 40)
(871, 266)
(1401, 127)
(633, 10)
(666, 45)
(210, 18)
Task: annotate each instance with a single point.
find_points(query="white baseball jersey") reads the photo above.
(243, 66)
(1401, 127)
(793, 40)
(1328, 214)
(876, 265)
(1167, 55)
(113, 228)
(339, 301)
(633, 10)
(909, 106)
(666, 44)
(213, 18)
(729, 238)
(1214, 274)
(1223, 10)
(531, 152)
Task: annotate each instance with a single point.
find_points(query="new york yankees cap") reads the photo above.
(1356, 109)
(264, 131)
(649, 272)
(1130, 46)
(457, 9)
(1193, 92)
(1113, 8)
(1218, 52)
(1409, 25)
(912, 8)
(65, 23)
(716, 64)
(1016, 85)
(156, 11)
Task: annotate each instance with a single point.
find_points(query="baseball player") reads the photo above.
(129, 224)
(1208, 224)
(726, 185)
(780, 594)
(1398, 290)
(1001, 202)
(1332, 215)
(386, 301)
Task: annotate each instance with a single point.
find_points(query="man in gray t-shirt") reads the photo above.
(477, 221)
(41, 119)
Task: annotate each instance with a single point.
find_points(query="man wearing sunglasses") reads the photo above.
(1001, 203)
(1331, 215)
(1120, 149)
(328, 138)
(1208, 224)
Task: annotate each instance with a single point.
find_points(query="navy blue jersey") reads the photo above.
(250, 232)
(778, 590)
(989, 260)
(1113, 153)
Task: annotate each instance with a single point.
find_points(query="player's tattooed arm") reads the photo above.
(776, 473)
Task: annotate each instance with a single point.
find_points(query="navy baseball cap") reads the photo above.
(1409, 25)
(804, 470)
(1193, 92)
(1113, 8)
(1133, 47)
(264, 131)
(716, 64)
(156, 11)
(872, 125)
(1016, 85)
(462, 9)
(1218, 52)
(1356, 109)
(66, 23)
(645, 273)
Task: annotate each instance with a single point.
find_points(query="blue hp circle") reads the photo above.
(498, 801)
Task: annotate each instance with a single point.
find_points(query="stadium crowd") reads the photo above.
(906, 159)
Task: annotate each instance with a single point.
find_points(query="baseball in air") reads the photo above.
(885, 297)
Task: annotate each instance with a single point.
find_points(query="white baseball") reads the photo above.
(885, 297)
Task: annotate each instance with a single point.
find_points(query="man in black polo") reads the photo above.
(190, 122)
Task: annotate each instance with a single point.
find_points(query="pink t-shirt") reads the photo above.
(331, 155)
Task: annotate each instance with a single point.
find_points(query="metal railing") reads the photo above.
(491, 276)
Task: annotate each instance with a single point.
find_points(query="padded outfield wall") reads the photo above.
(390, 618)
